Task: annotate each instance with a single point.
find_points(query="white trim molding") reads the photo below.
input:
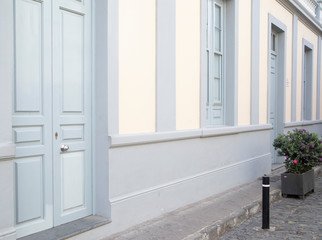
(156, 137)
(318, 89)
(255, 62)
(8, 234)
(7, 151)
(302, 123)
(295, 7)
(294, 66)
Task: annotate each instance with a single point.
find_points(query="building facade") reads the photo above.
(129, 109)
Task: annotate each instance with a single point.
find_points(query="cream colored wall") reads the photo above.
(187, 64)
(278, 11)
(137, 54)
(244, 62)
(307, 34)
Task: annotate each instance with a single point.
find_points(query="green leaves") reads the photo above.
(301, 146)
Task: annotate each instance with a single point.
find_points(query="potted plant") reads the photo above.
(302, 152)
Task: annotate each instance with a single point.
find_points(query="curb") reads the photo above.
(220, 227)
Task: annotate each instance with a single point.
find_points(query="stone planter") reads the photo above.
(297, 184)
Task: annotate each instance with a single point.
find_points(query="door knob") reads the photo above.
(64, 148)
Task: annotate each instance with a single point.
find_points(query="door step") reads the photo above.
(69, 229)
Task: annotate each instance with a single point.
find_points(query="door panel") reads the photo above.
(28, 56)
(32, 124)
(73, 181)
(71, 108)
(29, 188)
(72, 44)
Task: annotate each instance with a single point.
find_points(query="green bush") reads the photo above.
(302, 150)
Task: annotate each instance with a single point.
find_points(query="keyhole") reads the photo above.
(56, 135)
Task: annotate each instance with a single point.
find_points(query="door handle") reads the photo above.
(64, 148)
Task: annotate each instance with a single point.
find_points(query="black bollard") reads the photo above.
(265, 203)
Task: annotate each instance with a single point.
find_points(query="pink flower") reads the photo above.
(295, 161)
(286, 157)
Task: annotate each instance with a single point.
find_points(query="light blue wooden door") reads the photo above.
(272, 109)
(71, 110)
(32, 117)
(52, 93)
(273, 78)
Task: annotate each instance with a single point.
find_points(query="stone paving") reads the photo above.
(290, 218)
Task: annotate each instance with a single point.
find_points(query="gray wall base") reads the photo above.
(307, 125)
(151, 179)
(8, 234)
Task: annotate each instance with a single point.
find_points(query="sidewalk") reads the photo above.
(291, 218)
(210, 218)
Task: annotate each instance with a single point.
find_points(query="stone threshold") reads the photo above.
(70, 229)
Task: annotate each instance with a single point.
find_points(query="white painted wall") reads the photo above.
(7, 149)
(187, 64)
(6, 69)
(137, 54)
(7, 230)
(278, 11)
(307, 34)
(244, 62)
(148, 180)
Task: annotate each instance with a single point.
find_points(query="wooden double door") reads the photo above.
(52, 113)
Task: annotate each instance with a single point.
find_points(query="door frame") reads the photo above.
(104, 98)
(274, 25)
(307, 62)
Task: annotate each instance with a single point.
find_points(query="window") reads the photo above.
(215, 55)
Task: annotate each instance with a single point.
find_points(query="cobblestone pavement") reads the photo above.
(290, 218)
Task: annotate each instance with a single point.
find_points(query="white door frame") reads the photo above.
(280, 28)
(273, 52)
(307, 80)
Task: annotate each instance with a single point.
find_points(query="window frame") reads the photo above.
(211, 52)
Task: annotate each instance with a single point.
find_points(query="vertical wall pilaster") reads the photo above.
(294, 67)
(203, 63)
(112, 69)
(255, 62)
(318, 95)
(232, 19)
(105, 26)
(166, 65)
